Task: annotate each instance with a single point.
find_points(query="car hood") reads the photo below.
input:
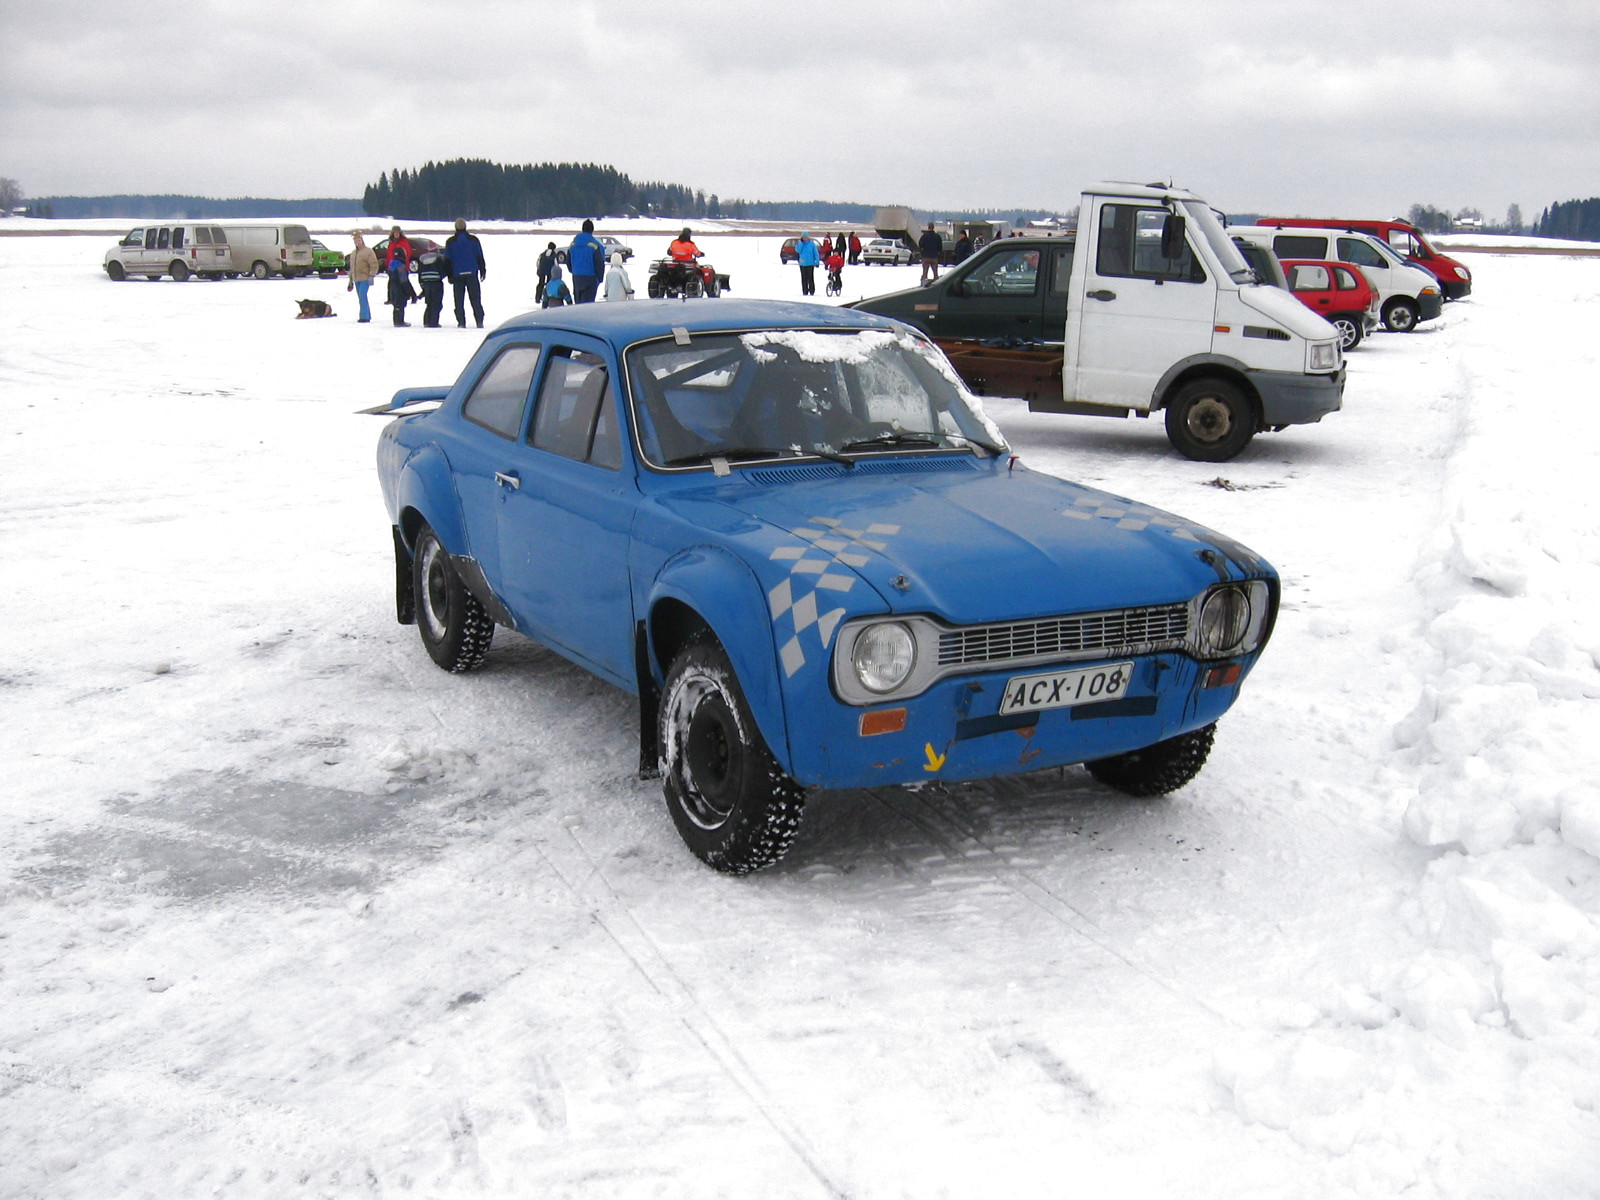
(972, 540)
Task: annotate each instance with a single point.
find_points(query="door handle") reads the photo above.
(1103, 294)
(507, 479)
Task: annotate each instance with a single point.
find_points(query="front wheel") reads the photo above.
(1210, 420)
(733, 805)
(179, 270)
(455, 630)
(116, 271)
(1400, 316)
(1158, 769)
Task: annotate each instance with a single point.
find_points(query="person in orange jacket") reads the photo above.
(683, 250)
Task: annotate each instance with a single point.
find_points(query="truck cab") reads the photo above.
(1150, 308)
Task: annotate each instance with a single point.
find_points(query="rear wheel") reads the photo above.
(455, 629)
(1210, 420)
(732, 803)
(1400, 316)
(260, 269)
(179, 270)
(1349, 330)
(1158, 769)
(116, 271)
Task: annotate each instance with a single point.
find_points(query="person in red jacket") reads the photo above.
(399, 245)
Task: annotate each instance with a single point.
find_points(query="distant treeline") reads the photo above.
(481, 190)
(164, 208)
(1575, 219)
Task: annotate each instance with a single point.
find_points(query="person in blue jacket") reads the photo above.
(467, 268)
(807, 255)
(586, 259)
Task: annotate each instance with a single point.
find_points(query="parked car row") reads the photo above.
(210, 251)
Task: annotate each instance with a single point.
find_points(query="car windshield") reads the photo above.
(799, 392)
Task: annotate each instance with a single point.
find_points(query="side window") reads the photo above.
(1061, 269)
(1287, 245)
(1130, 246)
(163, 238)
(1346, 279)
(177, 238)
(135, 238)
(150, 238)
(576, 415)
(1363, 254)
(1402, 242)
(1310, 277)
(1013, 273)
(499, 396)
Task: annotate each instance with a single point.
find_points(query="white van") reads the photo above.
(179, 250)
(1406, 293)
(266, 250)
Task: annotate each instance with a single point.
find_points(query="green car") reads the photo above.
(326, 263)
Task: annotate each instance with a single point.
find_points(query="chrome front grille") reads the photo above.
(1123, 630)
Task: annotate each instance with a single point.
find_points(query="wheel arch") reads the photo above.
(704, 589)
(1207, 366)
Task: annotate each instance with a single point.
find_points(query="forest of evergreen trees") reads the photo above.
(1575, 219)
(481, 190)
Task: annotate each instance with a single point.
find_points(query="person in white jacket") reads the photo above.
(618, 285)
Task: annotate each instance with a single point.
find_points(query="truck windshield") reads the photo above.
(1227, 254)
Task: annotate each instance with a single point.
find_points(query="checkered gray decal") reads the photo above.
(813, 574)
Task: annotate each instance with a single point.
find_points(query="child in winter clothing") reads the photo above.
(555, 292)
(618, 285)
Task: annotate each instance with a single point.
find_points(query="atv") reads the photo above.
(671, 279)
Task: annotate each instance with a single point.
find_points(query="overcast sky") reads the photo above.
(1352, 109)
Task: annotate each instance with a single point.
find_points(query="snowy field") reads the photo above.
(286, 911)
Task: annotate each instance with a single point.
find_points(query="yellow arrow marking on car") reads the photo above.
(935, 759)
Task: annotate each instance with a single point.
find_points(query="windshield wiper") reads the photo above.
(909, 437)
(745, 452)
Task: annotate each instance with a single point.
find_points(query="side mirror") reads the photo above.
(956, 287)
(1172, 240)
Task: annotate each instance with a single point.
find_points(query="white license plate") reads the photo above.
(1063, 689)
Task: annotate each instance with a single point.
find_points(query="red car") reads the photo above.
(1338, 292)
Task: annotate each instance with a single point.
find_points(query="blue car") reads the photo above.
(795, 536)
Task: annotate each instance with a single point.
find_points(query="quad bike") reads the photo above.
(672, 279)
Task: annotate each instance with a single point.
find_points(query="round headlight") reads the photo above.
(1224, 621)
(883, 656)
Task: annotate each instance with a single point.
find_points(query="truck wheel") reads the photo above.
(1349, 330)
(733, 805)
(455, 630)
(260, 269)
(115, 270)
(1210, 420)
(1158, 769)
(1400, 316)
(179, 270)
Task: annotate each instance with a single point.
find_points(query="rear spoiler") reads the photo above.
(409, 401)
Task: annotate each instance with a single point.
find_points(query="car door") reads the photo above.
(998, 295)
(484, 453)
(568, 512)
(1142, 312)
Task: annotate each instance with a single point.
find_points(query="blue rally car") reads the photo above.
(791, 531)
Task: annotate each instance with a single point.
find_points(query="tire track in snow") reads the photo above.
(580, 873)
(960, 844)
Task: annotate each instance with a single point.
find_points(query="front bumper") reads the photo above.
(1429, 307)
(1288, 398)
(1455, 289)
(954, 731)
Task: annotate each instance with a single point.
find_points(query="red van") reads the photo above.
(1338, 293)
(1455, 281)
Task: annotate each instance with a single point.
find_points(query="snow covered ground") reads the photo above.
(286, 911)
